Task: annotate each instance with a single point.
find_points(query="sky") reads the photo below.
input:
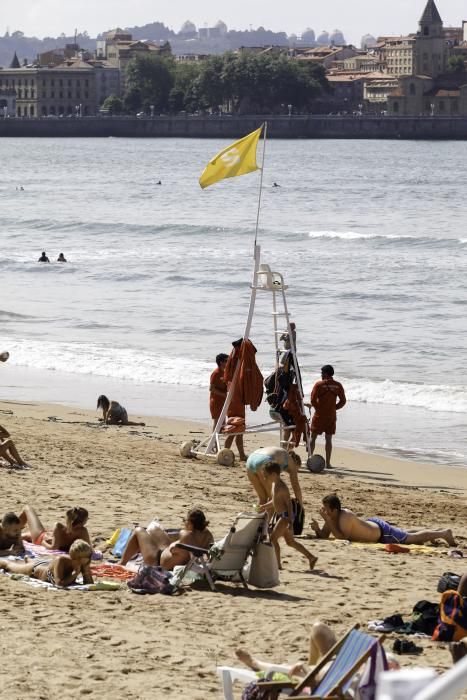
(354, 17)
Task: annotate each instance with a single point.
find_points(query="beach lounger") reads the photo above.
(226, 559)
(349, 654)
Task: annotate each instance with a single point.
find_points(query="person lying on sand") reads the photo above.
(322, 639)
(345, 525)
(10, 535)
(61, 536)
(282, 504)
(158, 549)
(113, 413)
(8, 450)
(60, 571)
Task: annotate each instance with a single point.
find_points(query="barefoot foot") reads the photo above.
(246, 658)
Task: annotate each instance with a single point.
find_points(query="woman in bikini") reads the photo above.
(158, 548)
(113, 412)
(60, 571)
(62, 536)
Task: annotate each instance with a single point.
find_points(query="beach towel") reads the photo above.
(98, 586)
(452, 626)
(38, 550)
(122, 541)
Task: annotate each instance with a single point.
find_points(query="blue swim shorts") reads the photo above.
(389, 533)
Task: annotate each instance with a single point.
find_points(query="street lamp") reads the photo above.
(432, 109)
(152, 111)
(289, 107)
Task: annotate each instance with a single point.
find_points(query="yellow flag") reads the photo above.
(237, 159)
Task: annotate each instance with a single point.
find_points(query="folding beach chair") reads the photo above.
(350, 653)
(226, 559)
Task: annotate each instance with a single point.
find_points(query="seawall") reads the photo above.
(295, 127)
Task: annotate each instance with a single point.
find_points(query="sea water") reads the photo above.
(370, 237)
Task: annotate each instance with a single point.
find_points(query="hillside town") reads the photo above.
(421, 74)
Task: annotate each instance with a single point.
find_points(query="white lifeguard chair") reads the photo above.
(271, 282)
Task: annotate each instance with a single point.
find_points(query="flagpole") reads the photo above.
(261, 180)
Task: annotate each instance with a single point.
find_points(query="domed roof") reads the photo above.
(221, 25)
(308, 35)
(323, 38)
(188, 27)
(368, 41)
(337, 37)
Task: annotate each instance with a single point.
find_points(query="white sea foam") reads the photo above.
(143, 367)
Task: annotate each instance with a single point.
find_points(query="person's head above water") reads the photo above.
(61, 258)
(4, 356)
(221, 358)
(327, 371)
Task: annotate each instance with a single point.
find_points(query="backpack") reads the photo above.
(448, 582)
(424, 617)
(151, 579)
(452, 618)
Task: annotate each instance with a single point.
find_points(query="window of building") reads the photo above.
(69, 94)
(86, 82)
(412, 89)
(77, 83)
(455, 106)
(52, 94)
(61, 109)
(69, 83)
(52, 110)
(426, 31)
(44, 111)
(44, 94)
(20, 94)
(31, 111)
(33, 92)
(18, 111)
(396, 106)
(52, 82)
(69, 109)
(60, 82)
(60, 94)
(86, 110)
(20, 81)
(78, 95)
(86, 95)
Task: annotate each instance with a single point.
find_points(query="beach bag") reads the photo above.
(366, 689)
(452, 625)
(151, 579)
(424, 617)
(264, 572)
(253, 691)
(448, 582)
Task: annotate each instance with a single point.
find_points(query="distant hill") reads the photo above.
(28, 47)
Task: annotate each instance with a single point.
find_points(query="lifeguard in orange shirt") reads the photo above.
(217, 389)
(327, 397)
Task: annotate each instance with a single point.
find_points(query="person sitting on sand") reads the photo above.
(10, 535)
(60, 571)
(61, 537)
(289, 463)
(61, 258)
(8, 450)
(158, 549)
(283, 507)
(113, 413)
(43, 257)
(345, 525)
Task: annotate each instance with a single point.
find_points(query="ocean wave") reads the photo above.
(427, 241)
(142, 367)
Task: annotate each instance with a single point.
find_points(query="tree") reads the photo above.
(114, 104)
(149, 82)
(456, 64)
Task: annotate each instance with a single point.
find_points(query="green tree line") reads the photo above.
(249, 83)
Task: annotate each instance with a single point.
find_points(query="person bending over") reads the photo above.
(10, 535)
(60, 571)
(8, 450)
(113, 413)
(158, 548)
(61, 536)
(289, 463)
(283, 507)
(345, 525)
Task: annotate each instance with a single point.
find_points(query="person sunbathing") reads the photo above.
(60, 571)
(8, 450)
(345, 525)
(61, 536)
(113, 413)
(10, 535)
(158, 548)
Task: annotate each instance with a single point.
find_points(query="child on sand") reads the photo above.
(61, 571)
(282, 504)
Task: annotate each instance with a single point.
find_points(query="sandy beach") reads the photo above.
(58, 644)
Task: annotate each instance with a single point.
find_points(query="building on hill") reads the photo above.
(324, 55)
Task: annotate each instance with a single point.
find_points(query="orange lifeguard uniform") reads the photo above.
(326, 395)
(216, 402)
